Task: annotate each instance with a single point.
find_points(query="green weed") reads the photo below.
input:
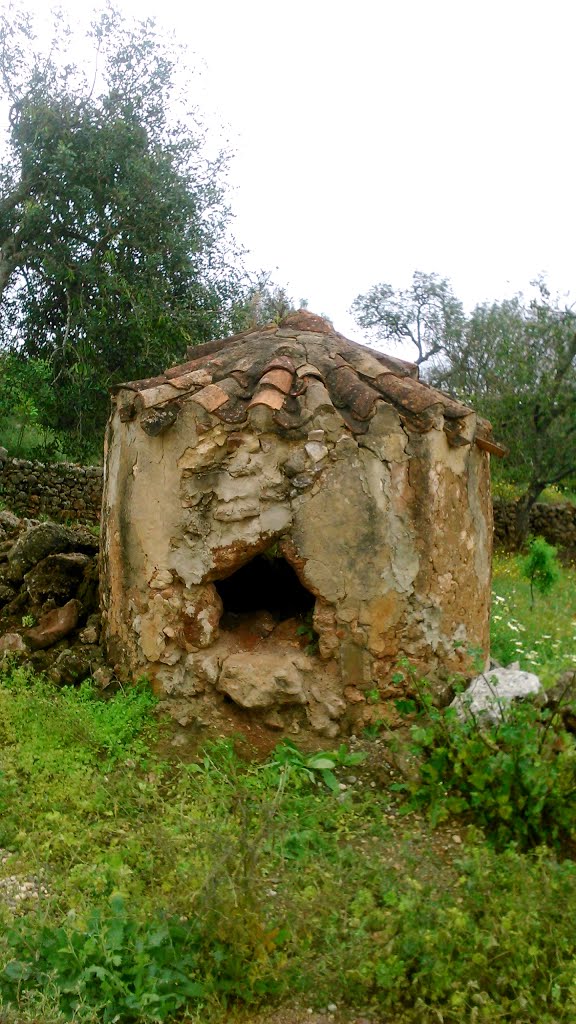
(315, 767)
(125, 969)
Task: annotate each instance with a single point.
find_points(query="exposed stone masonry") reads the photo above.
(557, 523)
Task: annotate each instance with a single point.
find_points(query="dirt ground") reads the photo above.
(304, 1016)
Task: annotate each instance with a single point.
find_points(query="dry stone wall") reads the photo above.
(59, 490)
(557, 523)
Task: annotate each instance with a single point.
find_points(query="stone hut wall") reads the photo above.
(59, 490)
(66, 491)
(366, 525)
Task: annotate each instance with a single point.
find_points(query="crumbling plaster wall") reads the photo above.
(389, 531)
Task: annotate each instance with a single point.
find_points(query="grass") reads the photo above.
(172, 891)
(41, 444)
(543, 638)
(30, 441)
(198, 892)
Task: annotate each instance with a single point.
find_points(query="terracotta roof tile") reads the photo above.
(351, 393)
(279, 379)
(297, 369)
(281, 363)
(267, 396)
(307, 370)
(211, 397)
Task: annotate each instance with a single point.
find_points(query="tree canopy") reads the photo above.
(514, 361)
(517, 364)
(114, 252)
(427, 315)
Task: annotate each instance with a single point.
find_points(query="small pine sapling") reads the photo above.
(540, 567)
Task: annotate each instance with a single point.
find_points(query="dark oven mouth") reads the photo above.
(268, 586)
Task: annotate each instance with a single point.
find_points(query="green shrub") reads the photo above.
(495, 946)
(515, 780)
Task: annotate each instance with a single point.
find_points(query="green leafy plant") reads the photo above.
(516, 780)
(272, 553)
(316, 767)
(541, 567)
(307, 632)
(125, 969)
(28, 621)
(373, 696)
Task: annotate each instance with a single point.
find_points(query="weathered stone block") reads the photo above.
(261, 683)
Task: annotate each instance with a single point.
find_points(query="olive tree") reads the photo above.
(114, 252)
(426, 315)
(517, 365)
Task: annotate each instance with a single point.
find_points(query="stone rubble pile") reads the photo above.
(49, 613)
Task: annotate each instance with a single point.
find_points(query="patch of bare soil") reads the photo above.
(295, 1015)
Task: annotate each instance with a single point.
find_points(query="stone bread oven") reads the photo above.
(285, 517)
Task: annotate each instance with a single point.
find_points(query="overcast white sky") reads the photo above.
(380, 137)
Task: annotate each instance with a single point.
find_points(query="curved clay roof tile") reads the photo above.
(296, 369)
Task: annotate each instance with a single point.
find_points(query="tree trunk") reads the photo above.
(8, 264)
(523, 510)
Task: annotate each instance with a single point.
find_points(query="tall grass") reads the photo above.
(543, 638)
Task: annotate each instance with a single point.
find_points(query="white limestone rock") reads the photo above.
(489, 694)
